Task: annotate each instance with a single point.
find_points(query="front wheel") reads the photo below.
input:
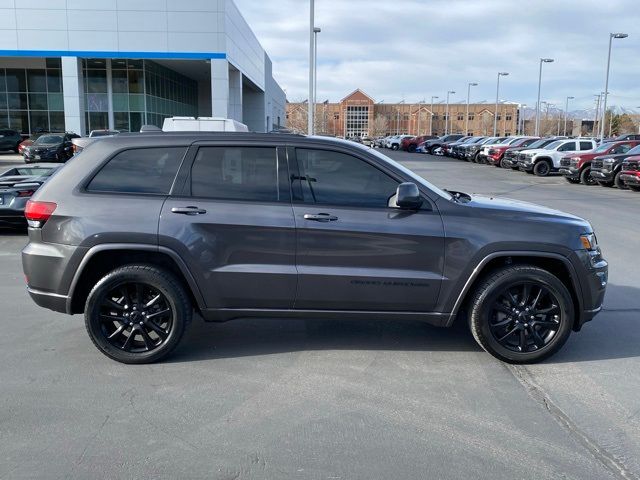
(585, 177)
(411, 149)
(521, 314)
(617, 181)
(137, 314)
(572, 180)
(542, 168)
(634, 188)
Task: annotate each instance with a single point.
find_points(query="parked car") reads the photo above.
(606, 169)
(576, 168)
(457, 149)
(29, 141)
(367, 141)
(55, 147)
(17, 185)
(379, 142)
(631, 173)
(511, 156)
(484, 152)
(447, 146)
(394, 142)
(115, 237)
(103, 133)
(10, 140)
(495, 155)
(545, 160)
(410, 144)
(626, 136)
(471, 151)
(432, 145)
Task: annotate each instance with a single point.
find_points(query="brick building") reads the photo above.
(358, 114)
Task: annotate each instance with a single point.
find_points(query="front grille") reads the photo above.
(565, 162)
(633, 166)
(597, 165)
(522, 157)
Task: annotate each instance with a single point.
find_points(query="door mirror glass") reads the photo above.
(408, 196)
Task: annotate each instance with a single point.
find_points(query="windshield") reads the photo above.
(553, 145)
(634, 151)
(538, 143)
(603, 148)
(48, 139)
(39, 172)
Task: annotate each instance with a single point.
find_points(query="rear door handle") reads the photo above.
(190, 210)
(320, 217)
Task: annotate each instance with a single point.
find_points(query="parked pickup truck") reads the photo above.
(545, 160)
(576, 168)
(630, 173)
(606, 169)
(511, 156)
(495, 155)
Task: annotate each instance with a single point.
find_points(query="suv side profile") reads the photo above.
(545, 160)
(139, 230)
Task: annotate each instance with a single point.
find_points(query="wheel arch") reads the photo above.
(556, 264)
(102, 259)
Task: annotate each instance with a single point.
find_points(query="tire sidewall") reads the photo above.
(481, 315)
(542, 168)
(122, 276)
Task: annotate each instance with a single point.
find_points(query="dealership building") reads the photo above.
(81, 65)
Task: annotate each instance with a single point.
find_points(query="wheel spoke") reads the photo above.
(162, 333)
(537, 338)
(152, 301)
(511, 298)
(125, 295)
(508, 334)
(523, 341)
(117, 332)
(547, 311)
(501, 323)
(501, 307)
(537, 299)
(113, 304)
(139, 294)
(129, 341)
(160, 312)
(546, 323)
(526, 291)
(148, 342)
(112, 318)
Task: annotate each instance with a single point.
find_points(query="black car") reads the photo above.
(53, 147)
(606, 169)
(431, 145)
(146, 228)
(9, 140)
(626, 136)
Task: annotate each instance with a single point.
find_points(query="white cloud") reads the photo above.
(419, 48)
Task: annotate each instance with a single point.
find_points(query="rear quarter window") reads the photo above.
(140, 170)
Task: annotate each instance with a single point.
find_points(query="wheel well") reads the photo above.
(543, 159)
(554, 266)
(107, 260)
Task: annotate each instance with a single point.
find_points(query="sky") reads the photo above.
(414, 49)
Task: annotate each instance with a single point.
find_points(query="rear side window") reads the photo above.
(236, 173)
(586, 146)
(140, 170)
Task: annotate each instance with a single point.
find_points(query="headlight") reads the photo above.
(574, 161)
(589, 241)
(608, 160)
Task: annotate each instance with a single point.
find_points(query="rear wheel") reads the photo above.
(585, 177)
(137, 314)
(617, 181)
(521, 314)
(542, 168)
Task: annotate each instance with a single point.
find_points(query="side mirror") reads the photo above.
(408, 196)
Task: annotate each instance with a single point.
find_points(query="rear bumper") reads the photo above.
(52, 301)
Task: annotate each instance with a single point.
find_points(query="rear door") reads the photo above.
(354, 251)
(232, 223)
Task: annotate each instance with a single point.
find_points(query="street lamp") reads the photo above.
(521, 119)
(606, 83)
(542, 60)
(566, 114)
(466, 118)
(431, 119)
(495, 117)
(311, 106)
(316, 31)
(446, 115)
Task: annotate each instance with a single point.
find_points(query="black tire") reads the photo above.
(542, 168)
(572, 180)
(115, 337)
(489, 300)
(502, 163)
(605, 184)
(394, 147)
(585, 177)
(617, 181)
(634, 188)
(412, 148)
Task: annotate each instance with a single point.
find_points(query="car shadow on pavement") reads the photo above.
(248, 337)
(613, 334)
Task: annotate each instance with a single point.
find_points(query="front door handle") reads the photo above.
(320, 217)
(190, 210)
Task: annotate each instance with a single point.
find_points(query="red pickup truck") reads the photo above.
(576, 168)
(410, 144)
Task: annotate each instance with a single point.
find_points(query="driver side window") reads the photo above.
(567, 147)
(336, 178)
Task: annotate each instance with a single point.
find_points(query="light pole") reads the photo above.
(495, 117)
(421, 102)
(446, 115)
(595, 122)
(316, 31)
(566, 114)
(606, 83)
(311, 106)
(542, 60)
(466, 118)
(521, 119)
(431, 118)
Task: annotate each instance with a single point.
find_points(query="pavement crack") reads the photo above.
(616, 467)
(90, 442)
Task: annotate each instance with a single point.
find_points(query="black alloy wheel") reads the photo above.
(617, 181)
(542, 168)
(525, 317)
(137, 313)
(585, 177)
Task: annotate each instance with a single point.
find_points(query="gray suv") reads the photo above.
(140, 230)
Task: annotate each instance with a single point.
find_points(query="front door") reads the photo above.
(232, 223)
(354, 251)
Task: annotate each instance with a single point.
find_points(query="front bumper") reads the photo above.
(525, 166)
(51, 155)
(593, 276)
(601, 176)
(632, 178)
(570, 172)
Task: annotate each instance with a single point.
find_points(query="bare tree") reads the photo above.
(297, 120)
(379, 127)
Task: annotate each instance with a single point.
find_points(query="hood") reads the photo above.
(509, 205)
(536, 150)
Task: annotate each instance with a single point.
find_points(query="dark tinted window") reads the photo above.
(568, 147)
(340, 179)
(236, 173)
(586, 146)
(141, 170)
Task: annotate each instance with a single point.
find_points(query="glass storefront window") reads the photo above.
(56, 102)
(97, 81)
(39, 121)
(37, 80)
(4, 119)
(17, 101)
(16, 80)
(135, 81)
(56, 121)
(38, 101)
(19, 120)
(54, 81)
(119, 83)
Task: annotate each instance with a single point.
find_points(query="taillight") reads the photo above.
(37, 213)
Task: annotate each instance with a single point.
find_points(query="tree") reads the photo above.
(625, 124)
(297, 120)
(379, 127)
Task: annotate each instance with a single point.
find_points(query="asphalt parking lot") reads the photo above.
(333, 400)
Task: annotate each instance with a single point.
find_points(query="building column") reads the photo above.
(73, 88)
(110, 116)
(235, 95)
(219, 88)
